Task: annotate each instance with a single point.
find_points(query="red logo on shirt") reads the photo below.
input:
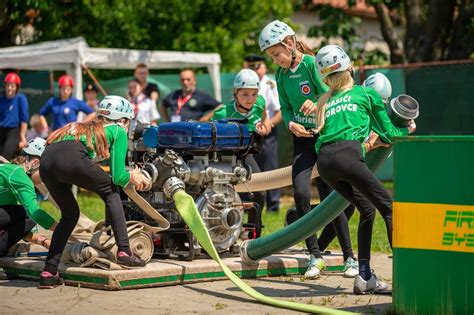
(305, 88)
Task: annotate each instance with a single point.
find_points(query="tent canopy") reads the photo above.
(72, 54)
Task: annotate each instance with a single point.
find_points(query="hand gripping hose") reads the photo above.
(188, 211)
(313, 221)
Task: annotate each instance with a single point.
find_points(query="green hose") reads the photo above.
(313, 221)
(187, 209)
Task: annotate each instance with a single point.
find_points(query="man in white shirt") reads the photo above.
(267, 160)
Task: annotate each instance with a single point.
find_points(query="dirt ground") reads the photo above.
(331, 290)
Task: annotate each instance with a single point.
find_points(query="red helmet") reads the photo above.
(65, 80)
(12, 77)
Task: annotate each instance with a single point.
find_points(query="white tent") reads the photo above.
(72, 54)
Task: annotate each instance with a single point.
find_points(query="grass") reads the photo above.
(93, 207)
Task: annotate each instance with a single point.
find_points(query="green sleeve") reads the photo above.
(22, 186)
(261, 104)
(321, 87)
(379, 120)
(118, 154)
(219, 113)
(285, 106)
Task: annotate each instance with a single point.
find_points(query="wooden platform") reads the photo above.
(169, 271)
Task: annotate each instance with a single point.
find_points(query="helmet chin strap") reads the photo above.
(292, 52)
(240, 105)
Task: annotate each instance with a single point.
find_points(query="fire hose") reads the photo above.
(188, 211)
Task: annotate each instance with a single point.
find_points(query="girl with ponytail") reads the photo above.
(345, 115)
(70, 159)
(299, 86)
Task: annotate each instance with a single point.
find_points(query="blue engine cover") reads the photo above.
(198, 136)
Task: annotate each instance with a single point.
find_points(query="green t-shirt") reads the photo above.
(118, 144)
(294, 88)
(17, 188)
(351, 114)
(254, 116)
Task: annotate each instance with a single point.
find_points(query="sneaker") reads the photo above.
(351, 268)
(127, 261)
(50, 281)
(315, 266)
(373, 285)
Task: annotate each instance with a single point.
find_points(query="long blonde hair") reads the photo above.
(94, 128)
(335, 81)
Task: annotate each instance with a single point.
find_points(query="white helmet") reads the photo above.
(115, 107)
(331, 59)
(274, 33)
(247, 79)
(379, 82)
(35, 147)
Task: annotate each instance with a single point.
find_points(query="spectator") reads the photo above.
(64, 108)
(143, 107)
(36, 130)
(267, 160)
(13, 117)
(188, 103)
(149, 89)
(90, 93)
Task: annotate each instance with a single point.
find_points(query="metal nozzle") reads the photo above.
(172, 185)
(246, 259)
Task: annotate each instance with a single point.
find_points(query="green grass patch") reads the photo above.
(275, 220)
(93, 207)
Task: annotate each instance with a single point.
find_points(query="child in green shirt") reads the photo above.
(299, 86)
(344, 117)
(247, 104)
(19, 209)
(70, 159)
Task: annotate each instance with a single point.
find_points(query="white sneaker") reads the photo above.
(315, 266)
(373, 285)
(351, 268)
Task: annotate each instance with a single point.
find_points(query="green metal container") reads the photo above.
(433, 225)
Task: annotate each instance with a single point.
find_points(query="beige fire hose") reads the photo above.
(98, 249)
(91, 246)
(270, 180)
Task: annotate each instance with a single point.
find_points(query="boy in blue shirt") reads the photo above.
(13, 117)
(64, 108)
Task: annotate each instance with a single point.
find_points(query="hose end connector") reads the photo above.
(172, 185)
(246, 259)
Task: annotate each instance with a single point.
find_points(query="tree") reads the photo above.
(227, 27)
(431, 30)
(335, 23)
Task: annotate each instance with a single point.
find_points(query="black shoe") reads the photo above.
(50, 281)
(127, 261)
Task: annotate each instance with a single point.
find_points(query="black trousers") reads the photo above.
(267, 160)
(258, 198)
(342, 165)
(9, 140)
(14, 225)
(304, 158)
(338, 227)
(65, 163)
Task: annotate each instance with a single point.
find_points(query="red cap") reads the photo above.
(65, 80)
(12, 77)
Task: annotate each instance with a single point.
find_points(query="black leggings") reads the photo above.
(258, 198)
(342, 165)
(339, 227)
(304, 158)
(64, 163)
(14, 225)
(9, 140)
